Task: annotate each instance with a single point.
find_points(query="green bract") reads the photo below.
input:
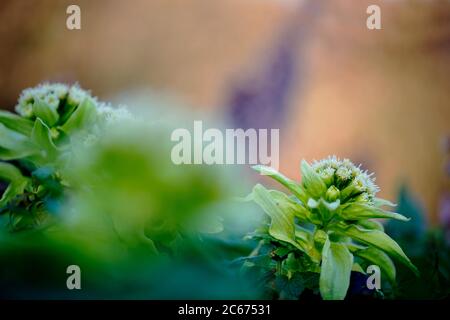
(328, 221)
(36, 143)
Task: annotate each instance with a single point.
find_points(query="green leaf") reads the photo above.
(306, 240)
(42, 138)
(327, 209)
(44, 111)
(320, 237)
(291, 263)
(288, 204)
(291, 185)
(358, 211)
(379, 258)
(14, 145)
(371, 224)
(378, 202)
(17, 182)
(353, 247)
(9, 172)
(282, 225)
(66, 112)
(337, 263)
(357, 267)
(282, 251)
(379, 240)
(312, 182)
(16, 123)
(209, 224)
(82, 117)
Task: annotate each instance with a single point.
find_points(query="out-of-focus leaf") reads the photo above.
(210, 224)
(16, 123)
(410, 235)
(44, 111)
(83, 116)
(42, 138)
(17, 182)
(14, 145)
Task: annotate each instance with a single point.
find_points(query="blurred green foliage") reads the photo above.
(428, 249)
(136, 224)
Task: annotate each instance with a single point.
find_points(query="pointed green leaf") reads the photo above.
(288, 204)
(312, 182)
(353, 247)
(44, 111)
(379, 240)
(358, 211)
(357, 267)
(291, 185)
(16, 123)
(9, 172)
(17, 182)
(83, 116)
(337, 263)
(379, 258)
(327, 209)
(371, 224)
(378, 202)
(14, 145)
(305, 239)
(42, 138)
(282, 225)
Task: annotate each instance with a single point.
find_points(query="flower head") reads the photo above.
(328, 220)
(353, 182)
(51, 94)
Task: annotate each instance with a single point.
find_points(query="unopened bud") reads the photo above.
(332, 194)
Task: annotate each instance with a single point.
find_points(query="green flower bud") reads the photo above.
(364, 198)
(320, 237)
(332, 194)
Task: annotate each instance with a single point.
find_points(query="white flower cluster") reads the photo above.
(343, 174)
(63, 100)
(55, 93)
(51, 94)
(113, 115)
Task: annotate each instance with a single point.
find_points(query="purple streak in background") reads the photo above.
(444, 215)
(261, 101)
(447, 151)
(444, 205)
